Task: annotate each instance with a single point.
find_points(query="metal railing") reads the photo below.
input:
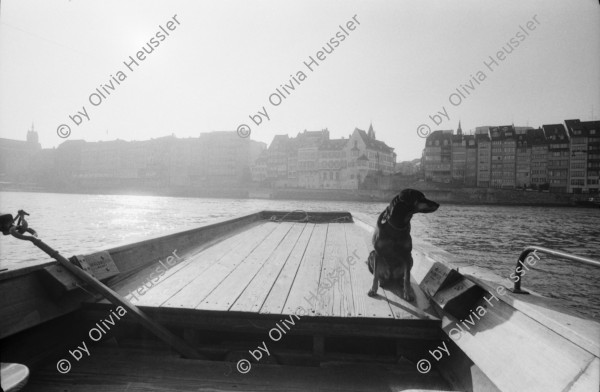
(529, 249)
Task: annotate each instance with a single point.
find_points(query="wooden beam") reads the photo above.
(238, 322)
(318, 346)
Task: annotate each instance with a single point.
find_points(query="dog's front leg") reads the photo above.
(373, 291)
(407, 289)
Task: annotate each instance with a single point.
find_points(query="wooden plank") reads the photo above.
(341, 276)
(137, 280)
(228, 290)
(134, 255)
(254, 295)
(25, 302)
(138, 284)
(362, 280)
(177, 281)
(275, 301)
(589, 379)
(200, 284)
(126, 370)
(563, 321)
(531, 357)
(325, 290)
(141, 279)
(318, 346)
(303, 293)
(237, 322)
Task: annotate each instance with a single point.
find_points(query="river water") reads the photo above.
(490, 237)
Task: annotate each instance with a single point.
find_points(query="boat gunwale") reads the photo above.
(125, 246)
(122, 246)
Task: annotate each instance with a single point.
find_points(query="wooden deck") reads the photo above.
(235, 279)
(280, 268)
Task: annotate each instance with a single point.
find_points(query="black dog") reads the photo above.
(392, 257)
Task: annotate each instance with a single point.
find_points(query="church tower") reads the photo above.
(33, 139)
(371, 132)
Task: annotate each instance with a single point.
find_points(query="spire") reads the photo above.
(32, 136)
(459, 130)
(371, 132)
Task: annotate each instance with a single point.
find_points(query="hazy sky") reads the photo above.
(225, 59)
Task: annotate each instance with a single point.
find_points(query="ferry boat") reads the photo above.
(277, 300)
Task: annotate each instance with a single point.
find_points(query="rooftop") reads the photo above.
(372, 143)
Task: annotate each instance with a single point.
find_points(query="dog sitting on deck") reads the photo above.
(392, 257)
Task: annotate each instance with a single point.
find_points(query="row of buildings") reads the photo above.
(314, 161)
(213, 160)
(559, 157)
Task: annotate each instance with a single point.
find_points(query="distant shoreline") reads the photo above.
(458, 196)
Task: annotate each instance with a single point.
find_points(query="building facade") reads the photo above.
(314, 161)
(558, 157)
(212, 161)
(503, 163)
(593, 163)
(551, 157)
(459, 156)
(437, 158)
(584, 153)
(16, 157)
(484, 156)
(524, 140)
(471, 165)
(539, 159)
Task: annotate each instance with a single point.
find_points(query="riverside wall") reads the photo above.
(467, 196)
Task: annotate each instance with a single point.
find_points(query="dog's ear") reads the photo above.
(411, 196)
(390, 208)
